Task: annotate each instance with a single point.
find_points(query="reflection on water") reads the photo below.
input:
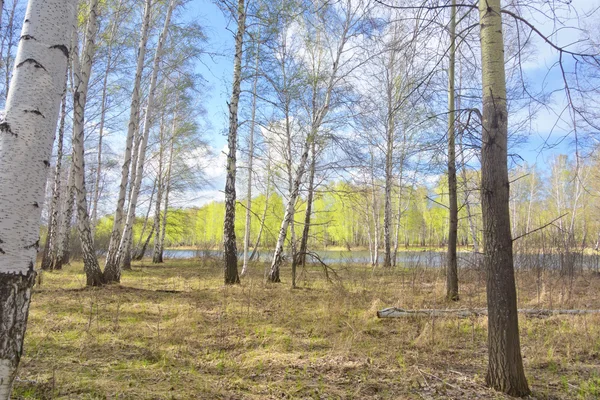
(431, 259)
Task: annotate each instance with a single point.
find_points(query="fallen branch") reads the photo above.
(394, 312)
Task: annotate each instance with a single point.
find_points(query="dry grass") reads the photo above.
(174, 332)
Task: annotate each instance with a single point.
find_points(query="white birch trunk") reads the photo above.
(49, 257)
(318, 117)
(125, 243)
(81, 78)
(230, 256)
(27, 131)
(161, 246)
(96, 194)
(64, 234)
(375, 209)
(112, 270)
(251, 161)
(156, 257)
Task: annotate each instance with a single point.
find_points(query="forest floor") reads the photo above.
(173, 331)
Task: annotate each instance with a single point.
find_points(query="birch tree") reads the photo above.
(229, 240)
(49, 256)
(82, 70)
(251, 158)
(111, 268)
(28, 128)
(349, 18)
(125, 243)
(103, 110)
(64, 233)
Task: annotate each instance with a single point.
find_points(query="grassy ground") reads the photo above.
(174, 332)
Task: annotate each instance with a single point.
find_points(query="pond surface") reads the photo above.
(415, 259)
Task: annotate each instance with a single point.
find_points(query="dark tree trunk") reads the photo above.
(452, 266)
(505, 366)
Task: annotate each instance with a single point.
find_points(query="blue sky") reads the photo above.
(217, 70)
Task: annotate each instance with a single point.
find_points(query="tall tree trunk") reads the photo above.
(112, 271)
(505, 365)
(124, 252)
(49, 257)
(251, 160)
(375, 209)
(400, 210)
(156, 256)
(81, 77)
(28, 129)
(63, 252)
(317, 120)
(229, 240)
(161, 245)
(96, 195)
(387, 210)
(124, 259)
(451, 263)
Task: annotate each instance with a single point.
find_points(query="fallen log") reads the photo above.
(393, 312)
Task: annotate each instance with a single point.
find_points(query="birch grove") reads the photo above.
(111, 269)
(361, 152)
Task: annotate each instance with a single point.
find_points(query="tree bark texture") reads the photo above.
(103, 105)
(300, 258)
(247, 230)
(161, 245)
(124, 252)
(112, 269)
(451, 264)
(63, 252)
(229, 240)
(81, 78)
(505, 365)
(26, 134)
(156, 254)
(50, 250)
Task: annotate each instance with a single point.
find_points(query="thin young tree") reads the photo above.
(49, 256)
(63, 252)
(123, 254)
(103, 110)
(251, 157)
(451, 262)
(111, 268)
(28, 128)
(350, 17)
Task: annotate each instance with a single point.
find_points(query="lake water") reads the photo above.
(414, 259)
